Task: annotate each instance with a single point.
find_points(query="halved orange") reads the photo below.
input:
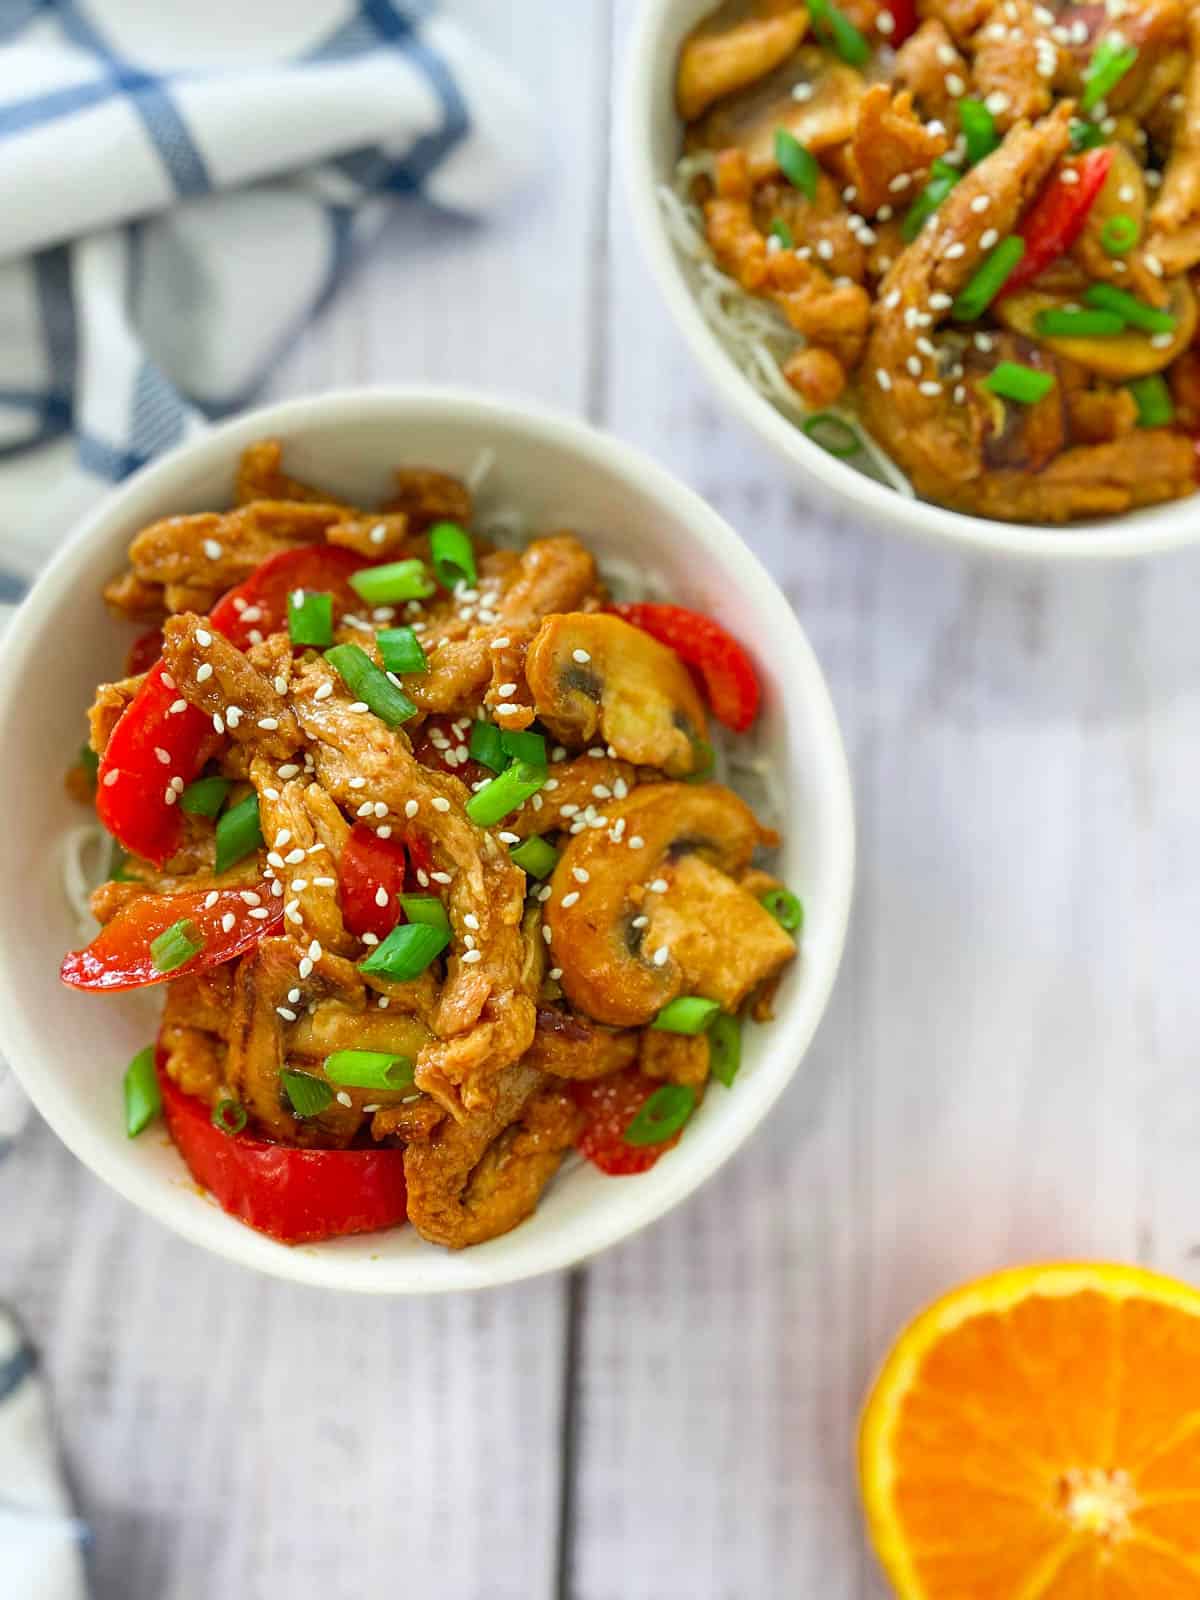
(1036, 1436)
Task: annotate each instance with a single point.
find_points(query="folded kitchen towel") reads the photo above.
(42, 1542)
(183, 187)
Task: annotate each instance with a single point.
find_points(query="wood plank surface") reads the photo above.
(1007, 1071)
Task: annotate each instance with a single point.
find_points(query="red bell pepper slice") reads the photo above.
(258, 606)
(133, 780)
(609, 1105)
(294, 1196)
(730, 681)
(144, 652)
(904, 20)
(420, 861)
(368, 866)
(119, 956)
(1057, 216)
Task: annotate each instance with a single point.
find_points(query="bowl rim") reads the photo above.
(792, 1031)
(652, 36)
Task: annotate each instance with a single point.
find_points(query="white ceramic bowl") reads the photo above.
(650, 134)
(70, 1049)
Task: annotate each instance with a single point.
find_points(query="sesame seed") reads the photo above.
(281, 684)
(1069, 175)
(470, 957)
(440, 803)
(509, 710)
(548, 934)
(997, 102)
(886, 23)
(323, 693)
(914, 366)
(204, 672)
(411, 807)
(170, 796)
(378, 533)
(268, 724)
(930, 387)
(501, 644)
(505, 690)
(325, 883)
(289, 770)
(370, 938)
(440, 877)
(358, 706)
(955, 85)
(294, 857)
(343, 1099)
(381, 809)
(365, 809)
(940, 302)
(233, 715)
(981, 202)
(568, 900)
(544, 892)
(213, 550)
(900, 182)
(659, 886)
(1162, 341)
(314, 950)
(956, 250)
(508, 838)
(661, 956)
(946, 54)
(1153, 264)
(636, 841)
(580, 874)
(227, 922)
(167, 681)
(960, 394)
(986, 241)
(274, 858)
(555, 973)
(581, 656)
(802, 92)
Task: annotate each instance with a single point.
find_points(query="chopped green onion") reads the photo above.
(487, 747)
(979, 129)
(143, 1097)
(1136, 312)
(229, 1116)
(688, 1013)
(205, 797)
(1109, 64)
(406, 951)
(369, 1069)
(453, 557)
(662, 1115)
(90, 762)
(799, 166)
(833, 434)
(511, 789)
(371, 685)
(1087, 136)
(175, 945)
(780, 230)
(426, 908)
(535, 857)
(928, 201)
(1118, 235)
(988, 280)
(1155, 407)
(523, 746)
(785, 907)
(238, 833)
(310, 618)
(1055, 322)
(309, 1094)
(395, 580)
(1013, 381)
(705, 758)
(725, 1048)
(401, 650)
(834, 29)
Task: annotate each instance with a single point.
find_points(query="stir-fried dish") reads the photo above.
(970, 227)
(418, 834)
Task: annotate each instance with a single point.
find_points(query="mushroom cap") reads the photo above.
(595, 674)
(607, 971)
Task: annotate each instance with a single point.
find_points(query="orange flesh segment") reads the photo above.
(1036, 1436)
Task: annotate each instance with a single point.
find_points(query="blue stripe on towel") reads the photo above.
(428, 153)
(148, 96)
(15, 1370)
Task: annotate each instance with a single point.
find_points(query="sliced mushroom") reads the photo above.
(722, 940)
(732, 48)
(591, 674)
(748, 120)
(598, 924)
(1132, 354)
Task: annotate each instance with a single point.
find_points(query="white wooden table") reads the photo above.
(1008, 1070)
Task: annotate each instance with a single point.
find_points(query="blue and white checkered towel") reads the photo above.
(183, 185)
(41, 1540)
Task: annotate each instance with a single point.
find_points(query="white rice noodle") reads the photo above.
(85, 861)
(479, 469)
(755, 335)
